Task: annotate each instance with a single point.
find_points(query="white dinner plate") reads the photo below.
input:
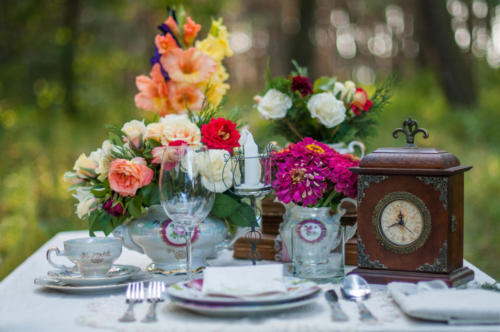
(192, 292)
(116, 274)
(51, 283)
(240, 310)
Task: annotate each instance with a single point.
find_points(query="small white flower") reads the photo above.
(338, 88)
(274, 105)
(103, 158)
(86, 202)
(348, 93)
(135, 131)
(327, 109)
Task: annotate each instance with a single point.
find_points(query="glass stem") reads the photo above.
(188, 233)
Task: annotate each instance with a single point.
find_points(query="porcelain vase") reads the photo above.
(154, 235)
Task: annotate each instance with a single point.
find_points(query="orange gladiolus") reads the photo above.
(165, 43)
(188, 66)
(153, 92)
(191, 29)
(183, 97)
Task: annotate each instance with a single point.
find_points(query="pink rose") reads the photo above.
(127, 176)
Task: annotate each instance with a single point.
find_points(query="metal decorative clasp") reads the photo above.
(410, 129)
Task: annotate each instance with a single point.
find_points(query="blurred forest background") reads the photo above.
(68, 67)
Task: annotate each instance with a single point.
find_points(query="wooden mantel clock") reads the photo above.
(410, 213)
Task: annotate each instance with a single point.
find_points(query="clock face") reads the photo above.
(402, 222)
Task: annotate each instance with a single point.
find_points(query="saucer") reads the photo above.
(51, 283)
(117, 274)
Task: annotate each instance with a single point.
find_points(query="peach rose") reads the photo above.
(179, 128)
(127, 176)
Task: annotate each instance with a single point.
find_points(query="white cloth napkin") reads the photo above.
(433, 300)
(243, 281)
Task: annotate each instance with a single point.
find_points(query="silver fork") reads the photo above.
(135, 294)
(155, 291)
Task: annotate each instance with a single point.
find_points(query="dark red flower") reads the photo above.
(220, 133)
(116, 211)
(360, 102)
(302, 84)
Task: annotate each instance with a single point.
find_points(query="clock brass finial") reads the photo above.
(410, 129)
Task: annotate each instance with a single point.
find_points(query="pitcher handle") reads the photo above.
(360, 145)
(58, 253)
(349, 231)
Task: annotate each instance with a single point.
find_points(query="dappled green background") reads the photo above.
(67, 68)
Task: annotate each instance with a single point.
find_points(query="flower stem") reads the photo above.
(292, 128)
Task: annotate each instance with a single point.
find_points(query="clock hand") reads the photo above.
(395, 224)
(408, 229)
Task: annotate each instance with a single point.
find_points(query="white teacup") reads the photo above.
(93, 256)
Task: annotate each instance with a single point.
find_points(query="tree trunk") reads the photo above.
(301, 47)
(440, 51)
(71, 14)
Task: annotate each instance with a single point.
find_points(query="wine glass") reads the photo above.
(187, 190)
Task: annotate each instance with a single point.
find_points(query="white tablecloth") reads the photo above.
(26, 307)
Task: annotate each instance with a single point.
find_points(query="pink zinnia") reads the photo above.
(345, 180)
(299, 183)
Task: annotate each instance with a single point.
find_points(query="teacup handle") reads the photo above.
(58, 253)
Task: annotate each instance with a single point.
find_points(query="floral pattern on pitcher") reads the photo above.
(174, 235)
(311, 230)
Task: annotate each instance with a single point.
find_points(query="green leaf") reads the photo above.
(324, 84)
(243, 216)
(98, 191)
(105, 223)
(134, 206)
(224, 206)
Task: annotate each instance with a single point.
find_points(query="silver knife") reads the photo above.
(333, 300)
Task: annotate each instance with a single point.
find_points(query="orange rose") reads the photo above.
(127, 176)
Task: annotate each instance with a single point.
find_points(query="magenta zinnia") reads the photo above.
(309, 171)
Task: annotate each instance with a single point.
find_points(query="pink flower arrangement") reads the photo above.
(310, 173)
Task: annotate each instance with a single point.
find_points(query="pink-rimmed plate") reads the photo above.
(192, 292)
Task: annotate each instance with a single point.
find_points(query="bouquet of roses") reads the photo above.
(311, 174)
(327, 110)
(119, 181)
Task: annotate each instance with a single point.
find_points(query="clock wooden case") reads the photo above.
(410, 213)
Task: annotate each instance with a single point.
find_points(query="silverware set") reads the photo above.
(354, 288)
(136, 294)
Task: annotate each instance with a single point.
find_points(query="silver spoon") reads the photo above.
(355, 288)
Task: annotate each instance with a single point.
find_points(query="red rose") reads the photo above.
(360, 101)
(302, 84)
(220, 134)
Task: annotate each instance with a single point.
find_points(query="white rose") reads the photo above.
(85, 167)
(274, 105)
(154, 131)
(86, 202)
(327, 109)
(179, 127)
(135, 131)
(338, 88)
(217, 176)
